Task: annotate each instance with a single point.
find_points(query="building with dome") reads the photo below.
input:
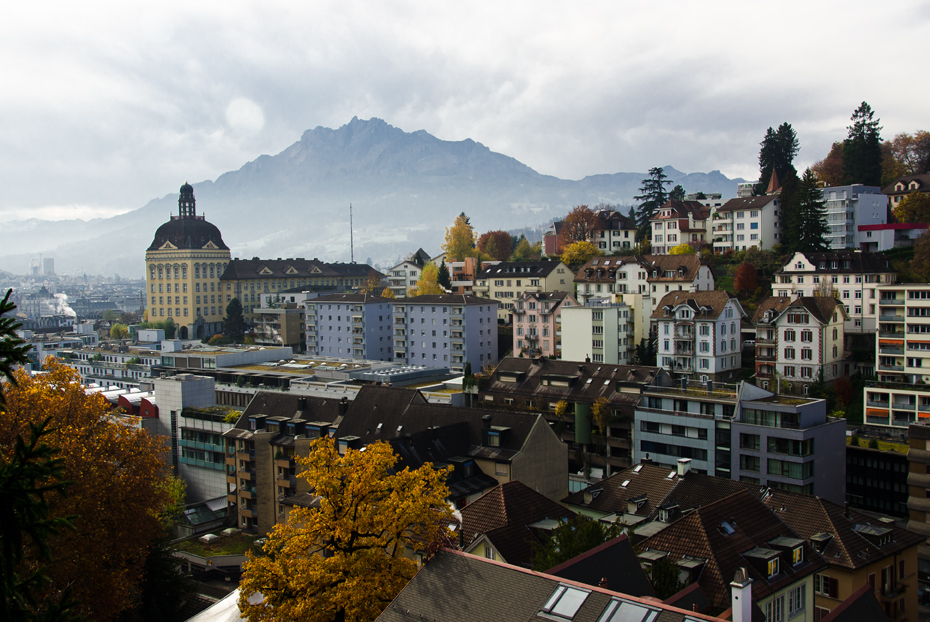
(183, 268)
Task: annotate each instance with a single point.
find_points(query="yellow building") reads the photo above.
(183, 268)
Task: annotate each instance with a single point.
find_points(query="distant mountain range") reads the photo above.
(405, 188)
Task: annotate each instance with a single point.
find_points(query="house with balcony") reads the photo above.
(903, 353)
(679, 222)
(599, 332)
(462, 274)
(849, 209)
(852, 276)
(614, 232)
(537, 323)
(890, 405)
(749, 222)
(506, 282)
(357, 326)
(699, 334)
(445, 331)
(284, 324)
(405, 275)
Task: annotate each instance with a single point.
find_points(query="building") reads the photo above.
(849, 208)
(800, 340)
(679, 222)
(876, 481)
(894, 406)
(358, 326)
(248, 279)
(743, 223)
(898, 190)
(599, 332)
(877, 238)
(613, 232)
(918, 501)
(445, 331)
(508, 281)
(404, 276)
(903, 353)
(852, 276)
(281, 325)
(745, 433)
(699, 334)
(185, 262)
(858, 549)
(537, 319)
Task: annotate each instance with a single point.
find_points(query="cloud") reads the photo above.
(245, 116)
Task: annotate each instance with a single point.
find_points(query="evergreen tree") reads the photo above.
(807, 227)
(12, 349)
(652, 196)
(778, 149)
(444, 279)
(862, 149)
(234, 325)
(677, 193)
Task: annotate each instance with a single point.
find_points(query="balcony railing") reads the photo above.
(891, 368)
(891, 318)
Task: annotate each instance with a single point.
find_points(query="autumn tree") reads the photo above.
(525, 251)
(652, 195)
(116, 495)
(807, 223)
(920, 264)
(496, 245)
(388, 293)
(579, 253)
(830, 169)
(234, 326)
(119, 331)
(578, 226)
(862, 149)
(915, 207)
(561, 408)
(372, 284)
(600, 414)
(428, 283)
(746, 280)
(912, 152)
(570, 539)
(681, 249)
(460, 239)
(344, 559)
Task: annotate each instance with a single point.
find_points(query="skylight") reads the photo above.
(637, 468)
(565, 601)
(625, 483)
(625, 611)
(670, 475)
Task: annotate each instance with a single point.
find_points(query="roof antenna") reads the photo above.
(351, 238)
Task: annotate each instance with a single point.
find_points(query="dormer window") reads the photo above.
(773, 567)
(797, 555)
(913, 185)
(494, 439)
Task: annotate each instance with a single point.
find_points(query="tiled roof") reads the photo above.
(714, 299)
(516, 269)
(612, 565)
(820, 307)
(747, 203)
(256, 268)
(723, 533)
(861, 606)
(808, 515)
(692, 597)
(610, 496)
(682, 209)
(922, 180)
(687, 264)
(779, 304)
(504, 515)
(277, 404)
(612, 220)
(860, 262)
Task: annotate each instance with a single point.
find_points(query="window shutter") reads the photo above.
(834, 588)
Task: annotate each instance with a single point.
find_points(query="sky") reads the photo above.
(107, 105)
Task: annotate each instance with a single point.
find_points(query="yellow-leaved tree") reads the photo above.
(579, 253)
(388, 293)
(119, 489)
(347, 557)
(460, 239)
(428, 283)
(681, 249)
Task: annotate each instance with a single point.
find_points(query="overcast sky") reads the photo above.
(107, 105)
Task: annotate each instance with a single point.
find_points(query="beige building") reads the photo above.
(904, 333)
(283, 325)
(184, 264)
(506, 282)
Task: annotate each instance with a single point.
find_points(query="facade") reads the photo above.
(282, 325)
(699, 334)
(445, 331)
(184, 264)
(248, 279)
(679, 222)
(743, 223)
(615, 232)
(599, 332)
(877, 238)
(849, 208)
(894, 406)
(537, 319)
(853, 277)
(903, 353)
(801, 341)
(898, 190)
(918, 500)
(358, 326)
(508, 281)
(405, 275)
(876, 481)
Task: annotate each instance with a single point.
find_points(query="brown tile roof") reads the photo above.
(688, 264)
(922, 180)
(682, 209)
(612, 565)
(749, 525)
(808, 515)
(715, 299)
(747, 203)
(504, 514)
(820, 307)
(610, 496)
(517, 269)
(861, 606)
(779, 304)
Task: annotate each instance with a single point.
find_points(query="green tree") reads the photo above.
(920, 264)
(460, 239)
(915, 207)
(677, 193)
(807, 224)
(234, 325)
(665, 578)
(645, 352)
(119, 331)
(862, 149)
(778, 150)
(526, 251)
(13, 350)
(652, 196)
(444, 278)
(169, 327)
(570, 539)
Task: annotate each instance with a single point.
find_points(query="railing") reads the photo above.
(900, 406)
(890, 302)
(890, 350)
(765, 357)
(894, 335)
(891, 318)
(877, 404)
(891, 367)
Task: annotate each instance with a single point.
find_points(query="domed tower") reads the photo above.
(184, 266)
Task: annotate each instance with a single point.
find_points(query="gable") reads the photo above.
(291, 270)
(167, 246)
(264, 271)
(210, 245)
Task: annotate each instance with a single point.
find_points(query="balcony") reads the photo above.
(903, 406)
(684, 336)
(894, 368)
(874, 404)
(890, 302)
(400, 332)
(890, 350)
(891, 318)
(898, 334)
(765, 357)
(765, 341)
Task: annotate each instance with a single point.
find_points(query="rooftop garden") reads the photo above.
(226, 545)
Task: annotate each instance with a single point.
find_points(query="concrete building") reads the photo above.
(848, 209)
(184, 265)
(599, 332)
(282, 325)
(894, 406)
(537, 319)
(699, 334)
(743, 223)
(446, 331)
(405, 275)
(918, 501)
(358, 326)
(506, 282)
(679, 222)
(876, 481)
(877, 238)
(903, 353)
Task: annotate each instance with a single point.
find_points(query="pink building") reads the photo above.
(537, 328)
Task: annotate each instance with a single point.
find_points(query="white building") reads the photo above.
(747, 222)
(679, 222)
(600, 332)
(850, 207)
(405, 275)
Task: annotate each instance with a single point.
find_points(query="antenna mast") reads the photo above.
(351, 237)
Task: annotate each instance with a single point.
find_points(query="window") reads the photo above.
(775, 610)
(565, 601)
(796, 600)
(827, 586)
(797, 556)
(773, 567)
(749, 441)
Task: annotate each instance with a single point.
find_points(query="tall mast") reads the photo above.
(351, 237)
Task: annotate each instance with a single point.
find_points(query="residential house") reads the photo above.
(537, 319)
(898, 190)
(903, 353)
(405, 275)
(614, 232)
(699, 334)
(854, 276)
(750, 222)
(679, 222)
(599, 332)
(357, 326)
(507, 281)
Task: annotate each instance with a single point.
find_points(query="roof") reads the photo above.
(821, 308)
(613, 220)
(504, 515)
(188, 233)
(256, 268)
(692, 597)
(808, 515)
(714, 300)
(895, 226)
(922, 180)
(747, 203)
(611, 496)
(356, 298)
(860, 606)
(725, 533)
(859, 262)
(612, 565)
(528, 269)
(459, 587)
(683, 209)
(447, 299)
(687, 265)
(289, 406)
(776, 303)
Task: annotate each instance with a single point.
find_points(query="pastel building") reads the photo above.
(357, 326)
(537, 323)
(599, 332)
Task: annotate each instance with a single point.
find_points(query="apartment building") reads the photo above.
(281, 325)
(614, 232)
(849, 208)
(742, 432)
(903, 353)
(679, 222)
(599, 332)
(918, 501)
(852, 276)
(801, 340)
(894, 406)
(508, 281)
(446, 331)
(405, 275)
(358, 326)
(699, 334)
(751, 222)
(877, 238)
(537, 319)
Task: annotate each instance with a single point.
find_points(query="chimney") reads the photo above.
(684, 465)
(602, 583)
(846, 510)
(486, 422)
(647, 460)
(343, 406)
(741, 596)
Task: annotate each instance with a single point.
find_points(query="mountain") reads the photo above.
(405, 188)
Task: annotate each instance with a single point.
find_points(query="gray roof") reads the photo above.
(515, 269)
